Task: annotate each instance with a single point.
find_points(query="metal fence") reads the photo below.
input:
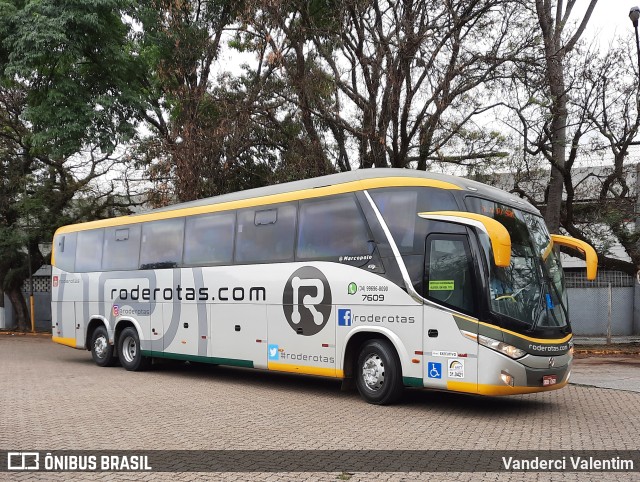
(617, 279)
(41, 284)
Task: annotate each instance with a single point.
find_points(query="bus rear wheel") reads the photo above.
(101, 350)
(379, 373)
(130, 352)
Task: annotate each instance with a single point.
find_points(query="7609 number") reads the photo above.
(375, 297)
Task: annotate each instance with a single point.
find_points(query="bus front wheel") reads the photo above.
(129, 351)
(379, 373)
(101, 350)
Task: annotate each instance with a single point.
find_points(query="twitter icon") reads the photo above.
(274, 353)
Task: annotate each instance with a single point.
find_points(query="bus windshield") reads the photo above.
(531, 289)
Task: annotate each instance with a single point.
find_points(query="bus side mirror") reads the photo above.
(498, 234)
(589, 253)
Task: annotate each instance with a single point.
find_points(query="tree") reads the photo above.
(609, 104)
(558, 43)
(40, 193)
(65, 106)
(73, 61)
(210, 131)
(392, 84)
(602, 121)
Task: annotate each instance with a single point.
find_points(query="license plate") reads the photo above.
(549, 380)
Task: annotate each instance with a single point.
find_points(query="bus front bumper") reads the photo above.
(499, 375)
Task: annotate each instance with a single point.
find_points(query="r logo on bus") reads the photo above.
(307, 301)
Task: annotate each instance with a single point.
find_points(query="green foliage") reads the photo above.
(74, 60)
(68, 97)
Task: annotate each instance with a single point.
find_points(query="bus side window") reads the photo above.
(161, 245)
(331, 227)
(449, 272)
(209, 239)
(64, 251)
(121, 248)
(399, 208)
(266, 235)
(89, 250)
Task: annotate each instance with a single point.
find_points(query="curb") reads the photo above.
(40, 334)
(628, 349)
(606, 353)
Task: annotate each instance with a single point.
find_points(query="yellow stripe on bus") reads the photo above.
(64, 341)
(493, 390)
(323, 372)
(342, 188)
(528, 338)
(524, 337)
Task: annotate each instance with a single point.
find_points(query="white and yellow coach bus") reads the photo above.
(386, 278)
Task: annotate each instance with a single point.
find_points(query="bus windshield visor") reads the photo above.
(531, 289)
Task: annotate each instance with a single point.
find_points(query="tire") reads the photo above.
(130, 352)
(378, 373)
(101, 350)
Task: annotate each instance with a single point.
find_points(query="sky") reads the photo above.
(609, 18)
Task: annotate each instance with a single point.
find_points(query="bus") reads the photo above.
(383, 278)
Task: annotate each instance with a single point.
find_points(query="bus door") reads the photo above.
(450, 358)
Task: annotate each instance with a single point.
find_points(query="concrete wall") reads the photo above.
(42, 303)
(589, 311)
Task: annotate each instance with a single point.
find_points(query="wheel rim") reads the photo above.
(100, 346)
(373, 372)
(129, 349)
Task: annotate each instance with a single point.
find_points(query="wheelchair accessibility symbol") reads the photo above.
(434, 370)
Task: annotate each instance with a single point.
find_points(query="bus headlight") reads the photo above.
(502, 347)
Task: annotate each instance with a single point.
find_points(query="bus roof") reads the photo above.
(358, 175)
(310, 188)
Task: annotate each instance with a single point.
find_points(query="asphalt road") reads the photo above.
(54, 398)
(616, 373)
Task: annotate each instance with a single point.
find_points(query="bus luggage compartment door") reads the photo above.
(64, 321)
(239, 333)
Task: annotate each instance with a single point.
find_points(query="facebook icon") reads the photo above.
(344, 317)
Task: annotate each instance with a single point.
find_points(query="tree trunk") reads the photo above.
(556, 48)
(320, 162)
(558, 141)
(19, 309)
(2, 313)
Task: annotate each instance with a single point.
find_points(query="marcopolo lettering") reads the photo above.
(180, 293)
